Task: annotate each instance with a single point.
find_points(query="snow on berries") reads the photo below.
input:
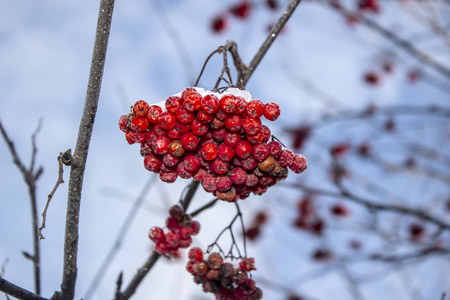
(221, 278)
(216, 138)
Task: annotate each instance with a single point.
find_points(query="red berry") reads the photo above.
(200, 174)
(219, 24)
(161, 248)
(160, 145)
(255, 109)
(228, 103)
(210, 104)
(223, 183)
(217, 124)
(220, 166)
(286, 157)
(241, 105)
(173, 103)
(173, 239)
(185, 243)
(226, 270)
(158, 130)
(232, 139)
(176, 212)
(274, 149)
(238, 176)
(184, 116)
(372, 78)
(167, 120)
(260, 151)
(198, 128)
(123, 123)
(191, 163)
(156, 234)
(187, 91)
(239, 276)
(193, 101)
(271, 111)
(249, 163)
(194, 228)
(168, 177)
(204, 117)
(153, 113)
(225, 152)
(173, 134)
(251, 125)
(182, 128)
(299, 164)
(140, 108)
(189, 141)
(241, 10)
(234, 123)
(267, 134)
(209, 183)
(255, 138)
(152, 163)
(139, 124)
(243, 149)
(219, 134)
(209, 151)
(182, 172)
(170, 161)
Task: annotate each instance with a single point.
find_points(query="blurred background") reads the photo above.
(363, 87)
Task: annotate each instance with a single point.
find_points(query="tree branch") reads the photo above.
(17, 292)
(30, 177)
(81, 150)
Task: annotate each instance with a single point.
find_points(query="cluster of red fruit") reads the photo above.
(181, 227)
(221, 278)
(215, 138)
(254, 230)
(307, 218)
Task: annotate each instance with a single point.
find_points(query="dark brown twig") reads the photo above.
(30, 176)
(17, 292)
(63, 158)
(81, 150)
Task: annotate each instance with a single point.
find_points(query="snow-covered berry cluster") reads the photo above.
(222, 278)
(215, 138)
(180, 229)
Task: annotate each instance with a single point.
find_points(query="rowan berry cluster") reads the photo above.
(218, 139)
(222, 278)
(180, 229)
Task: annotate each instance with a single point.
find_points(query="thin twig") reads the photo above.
(82, 148)
(30, 177)
(61, 160)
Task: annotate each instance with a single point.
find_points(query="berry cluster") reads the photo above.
(218, 139)
(221, 278)
(254, 230)
(181, 227)
(307, 218)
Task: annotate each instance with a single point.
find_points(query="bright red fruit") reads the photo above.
(189, 141)
(195, 254)
(152, 163)
(160, 145)
(153, 113)
(219, 24)
(255, 108)
(173, 103)
(241, 10)
(193, 101)
(140, 108)
(271, 111)
(252, 126)
(123, 123)
(156, 234)
(234, 123)
(209, 151)
(228, 103)
(225, 152)
(244, 149)
(139, 124)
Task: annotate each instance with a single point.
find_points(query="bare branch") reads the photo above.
(63, 158)
(81, 149)
(30, 177)
(17, 292)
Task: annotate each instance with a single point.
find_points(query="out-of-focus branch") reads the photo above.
(371, 205)
(270, 39)
(17, 292)
(396, 40)
(30, 177)
(425, 252)
(79, 157)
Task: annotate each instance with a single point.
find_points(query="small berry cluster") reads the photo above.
(181, 228)
(307, 218)
(221, 278)
(218, 139)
